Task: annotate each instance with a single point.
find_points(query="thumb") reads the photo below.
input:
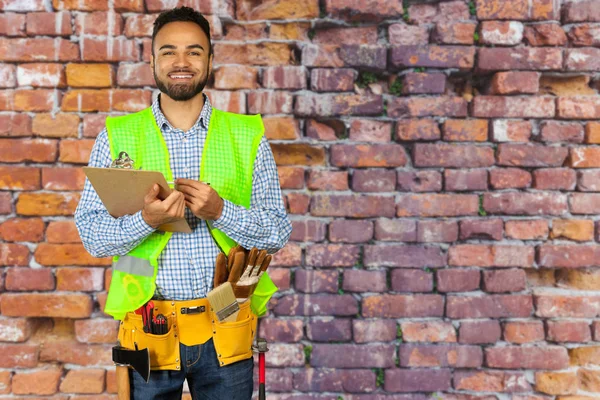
(151, 195)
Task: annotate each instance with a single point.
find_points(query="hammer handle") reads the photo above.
(123, 391)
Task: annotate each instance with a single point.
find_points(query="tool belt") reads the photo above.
(192, 323)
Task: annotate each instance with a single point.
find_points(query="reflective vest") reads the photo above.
(227, 163)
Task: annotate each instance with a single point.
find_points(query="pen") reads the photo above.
(173, 182)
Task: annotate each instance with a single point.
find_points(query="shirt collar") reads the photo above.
(202, 121)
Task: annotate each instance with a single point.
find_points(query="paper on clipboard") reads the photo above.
(122, 192)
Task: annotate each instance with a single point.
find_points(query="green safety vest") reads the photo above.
(227, 163)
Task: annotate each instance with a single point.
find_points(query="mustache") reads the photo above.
(181, 71)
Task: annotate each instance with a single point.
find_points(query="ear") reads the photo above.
(210, 63)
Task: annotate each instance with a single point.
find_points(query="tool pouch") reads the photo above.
(233, 340)
(164, 349)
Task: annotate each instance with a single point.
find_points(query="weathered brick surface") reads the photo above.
(439, 160)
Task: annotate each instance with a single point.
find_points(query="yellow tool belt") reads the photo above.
(232, 340)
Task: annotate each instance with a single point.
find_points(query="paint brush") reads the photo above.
(223, 302)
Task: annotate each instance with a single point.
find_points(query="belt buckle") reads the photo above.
(193, 310)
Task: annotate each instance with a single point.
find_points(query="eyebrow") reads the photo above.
(191, 46)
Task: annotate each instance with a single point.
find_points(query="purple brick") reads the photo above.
(411, 280)
(308, 231)
(281, 330)
(409, 256)
(377, 330)
(329, 329)
(471, 180)
(422, 83)
(489, 306)
(315, 281)
(280, 379)
(327, 380)
(421, 181)
(490, 229)
(479, 332)
(437, 231)
(356, 280)
(332, 255)
(353, 356)
(364, 56)
(316, 304)
(285, 355)
(332, 80)
(417, 380)
(397, 230)
(403, 306)
(509, 280)
(367, 130)
(457, 280)
(285, 77)
(350, 231)
(326, 130)
(451, 355)
(374, 180)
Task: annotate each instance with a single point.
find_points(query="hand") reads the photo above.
(201, 199)
(157, 212)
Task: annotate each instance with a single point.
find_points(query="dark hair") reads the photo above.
(182, 14)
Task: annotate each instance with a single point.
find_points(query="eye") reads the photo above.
(168, 53)
(194, 53)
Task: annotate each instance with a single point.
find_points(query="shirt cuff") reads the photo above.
(138, 226)
(228, 217)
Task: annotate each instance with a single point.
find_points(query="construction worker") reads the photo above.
(225, 185)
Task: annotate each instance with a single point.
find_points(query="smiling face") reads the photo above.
(181, 62)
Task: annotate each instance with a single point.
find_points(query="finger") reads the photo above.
(220, 270)
(266, 263)
(236, 269)
(259, 260)
(151, 194)
(172, 199)
(232, 252)
(181, 209)
(250, 263)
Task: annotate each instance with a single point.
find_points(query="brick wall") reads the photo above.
(439, 162)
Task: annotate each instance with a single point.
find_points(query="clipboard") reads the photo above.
(122, 192)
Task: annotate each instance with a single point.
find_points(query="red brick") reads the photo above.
(281, 277)
(63, 178)
(567, 256)
(516, 82)
(378, 180)
(56, 125)
(361, 156)
(452, 32)
(5, 204)
(442, 106)
(403, 306)
(550, 34)
(321, 56)
(550, 357)
(498, 281)
(490, 229)
(230, 77)
(364, 281)
(291, 177)
(79, 279)
(408, 256)
(15, 330)
(326, 105)
(75, 151)
(22, 230)
(86, 100)
(588, 180)
(72, 352)
(34, 100)
(364, 206)
(417, 129)
(373, 57)
(46, 305)
(411, 280)
(7, 100)
(130, 100)
(21, 150)
(332, 80)
(513, 107)
(308, 231)
(381, 330)
(370, 131)
(451, 155)
(42, 382)
(584, 35)
(553, 131)
(83, 381)
(578, 107)
(62, 232)
(271, 9)
(437, 231)
(502, 33)
(315, 281)
(93, 124)
(29, 279)
(289, 256)
(457, 280)
(337, 36)
(428, 331)
(14, 254)
(38, 50)
(49, 24)
(90, 75)
(582, 11)
(479, 332)
(99, 23)
(396, 230)
(41, 75)
(582, 59)
(437, 205)
(525, 203)
(423, 83)
(332, 255)
(288, 331)
(489, 306)
(432, 56)
(491, 256)
(420, 181)
(516, 10)
(14, 124)
(19, 178)
(596, 328)
(18, 355)
(406, 35)
(109, 49)
(129, 5)
(465, 130)
(437, 13)
(139, 25)
(531, 155)
(297, 203)
(372, 10)
(327, 130)
(349, 231)
(583, 157)
(317, 304)
(493, 381)
(284, 77)
(265, 53)
(524, 58)
(248, 31)
(403, 380)
(270, 102)
(46, 204)
(66, 254)
(568, 331)
(81, 5)
(554, 179)
(136, 75)
(510, 178)
(290, 31)
(12, 24)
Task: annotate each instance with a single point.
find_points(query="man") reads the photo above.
(239, 201)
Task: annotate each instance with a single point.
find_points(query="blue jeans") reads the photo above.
(206, 379)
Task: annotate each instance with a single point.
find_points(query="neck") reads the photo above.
(182, 114)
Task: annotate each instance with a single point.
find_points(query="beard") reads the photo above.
(180, 91)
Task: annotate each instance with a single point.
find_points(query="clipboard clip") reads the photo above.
(124, 161)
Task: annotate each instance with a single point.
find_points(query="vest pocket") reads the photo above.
(233, 340)
(164, 349)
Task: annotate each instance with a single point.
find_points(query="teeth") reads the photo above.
(181, 76)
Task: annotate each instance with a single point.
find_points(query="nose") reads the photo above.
(181, 61)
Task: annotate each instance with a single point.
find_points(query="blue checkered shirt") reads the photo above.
(186, 265)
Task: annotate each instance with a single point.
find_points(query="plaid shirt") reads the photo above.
(186, 265)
